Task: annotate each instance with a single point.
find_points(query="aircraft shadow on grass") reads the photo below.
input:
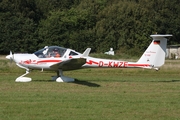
(79, 82)
(86, 83)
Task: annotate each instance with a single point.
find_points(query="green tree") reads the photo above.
(27, 25)
(17, 26)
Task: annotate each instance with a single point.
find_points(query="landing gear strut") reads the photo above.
(22, 78)
(61, 78)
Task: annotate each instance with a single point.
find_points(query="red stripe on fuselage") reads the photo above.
(48, 61)
(91, 62)
(39, 62)
(138, 65)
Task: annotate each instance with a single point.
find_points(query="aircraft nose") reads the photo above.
(8, 57)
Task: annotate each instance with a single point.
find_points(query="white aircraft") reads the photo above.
(61, 59)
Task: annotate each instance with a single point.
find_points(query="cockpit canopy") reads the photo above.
(50, 51)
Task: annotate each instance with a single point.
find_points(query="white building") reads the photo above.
(173, 51)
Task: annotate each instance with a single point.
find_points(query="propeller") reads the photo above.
(10, 56)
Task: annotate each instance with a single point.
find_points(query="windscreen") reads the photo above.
(51, 51)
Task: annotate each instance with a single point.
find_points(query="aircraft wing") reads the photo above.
(70, 64)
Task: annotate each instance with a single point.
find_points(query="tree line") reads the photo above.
(125, 25)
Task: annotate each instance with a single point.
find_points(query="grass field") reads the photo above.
(97, 94)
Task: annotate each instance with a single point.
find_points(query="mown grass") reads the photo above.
(97, 94)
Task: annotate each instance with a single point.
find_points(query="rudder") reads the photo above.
(155, 53)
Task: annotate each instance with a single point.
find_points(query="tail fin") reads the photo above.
(155, 53)
(86, 52)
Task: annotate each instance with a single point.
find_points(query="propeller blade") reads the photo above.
(10, 56)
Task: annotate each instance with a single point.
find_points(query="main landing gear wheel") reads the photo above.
(61, 78)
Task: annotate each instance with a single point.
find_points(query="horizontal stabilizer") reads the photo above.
(158, 36)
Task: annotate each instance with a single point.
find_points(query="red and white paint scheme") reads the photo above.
(68, 59)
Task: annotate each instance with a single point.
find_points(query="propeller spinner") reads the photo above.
(10, 56)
